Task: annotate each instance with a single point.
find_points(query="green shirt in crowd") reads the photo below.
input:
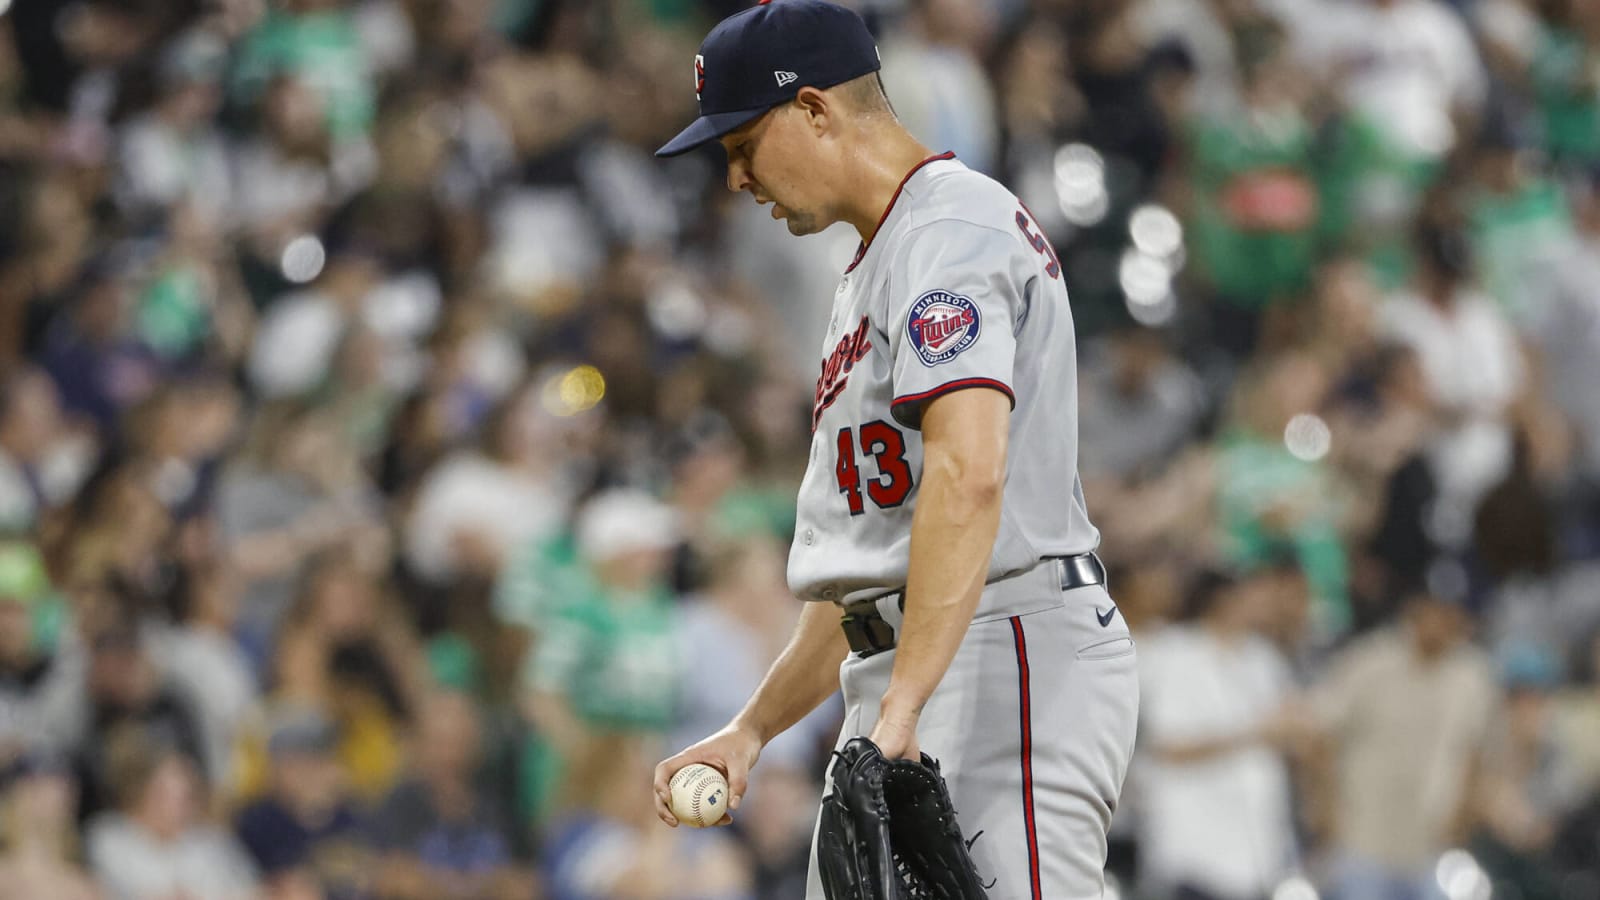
(1254, 476)
(1257, 206)
(612, 656)
(173, 313)
(1566, 86)
(1511, 231)
(614, 659)
(322, 50)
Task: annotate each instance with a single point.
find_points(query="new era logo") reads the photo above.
(785, 77)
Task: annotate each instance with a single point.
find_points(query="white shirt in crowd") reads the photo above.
(202, 862)
(160, 166)
(471, 492)
(944, 98)
(1221, 824)
(214, 673)
(1407, 64)
(1473, 365)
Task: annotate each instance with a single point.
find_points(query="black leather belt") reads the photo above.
(868, 633)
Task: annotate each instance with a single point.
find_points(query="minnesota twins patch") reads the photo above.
(942, 325)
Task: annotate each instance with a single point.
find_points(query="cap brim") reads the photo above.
(707, 129)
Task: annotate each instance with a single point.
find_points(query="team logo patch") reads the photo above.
(942, 325)
(699, 75)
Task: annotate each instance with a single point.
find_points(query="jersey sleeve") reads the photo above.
(954, 307)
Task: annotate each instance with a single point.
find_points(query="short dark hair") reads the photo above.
(133, 756)
(867, 95)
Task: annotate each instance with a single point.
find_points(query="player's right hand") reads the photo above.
(733, 751)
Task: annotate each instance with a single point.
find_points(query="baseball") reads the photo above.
(699, 795)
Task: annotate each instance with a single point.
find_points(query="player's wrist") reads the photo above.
(901, 705)
(751, 727)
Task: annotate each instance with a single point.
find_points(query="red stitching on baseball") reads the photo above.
(694, 805)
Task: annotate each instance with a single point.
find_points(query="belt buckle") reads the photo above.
(1081, 570)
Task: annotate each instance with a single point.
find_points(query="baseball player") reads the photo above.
(941, 532)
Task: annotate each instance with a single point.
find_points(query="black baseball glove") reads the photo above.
(889, 832)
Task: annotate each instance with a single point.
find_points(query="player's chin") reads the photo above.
(800, 226)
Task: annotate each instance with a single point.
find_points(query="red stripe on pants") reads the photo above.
(1026, 714)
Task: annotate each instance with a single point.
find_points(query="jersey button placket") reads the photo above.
(808, 537)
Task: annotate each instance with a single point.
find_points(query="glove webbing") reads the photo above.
(928, 845)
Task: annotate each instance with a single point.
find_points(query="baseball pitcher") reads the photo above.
(942, 538)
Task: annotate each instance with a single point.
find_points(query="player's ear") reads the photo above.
(816, 107)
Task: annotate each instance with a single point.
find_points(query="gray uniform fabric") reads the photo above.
(951, 294)
(1033, 726)
(1034, 721)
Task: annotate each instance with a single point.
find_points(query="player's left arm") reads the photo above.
(953, 528)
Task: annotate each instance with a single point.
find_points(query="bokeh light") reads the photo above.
(1146, 284)
(1156, 231)
(1460, 876)
(1081, 184)
(1295, 888)
(676, 311)
(1308, 437)
(303, 258)
(577, 390)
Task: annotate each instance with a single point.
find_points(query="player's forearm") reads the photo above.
(804, 674)
(952, 538)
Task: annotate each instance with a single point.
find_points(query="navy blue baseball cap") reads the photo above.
(759, 58)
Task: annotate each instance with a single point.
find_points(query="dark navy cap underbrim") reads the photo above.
(707, 129)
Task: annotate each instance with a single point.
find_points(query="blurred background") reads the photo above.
(396, 460)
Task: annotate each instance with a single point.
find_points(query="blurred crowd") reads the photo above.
(396, 460)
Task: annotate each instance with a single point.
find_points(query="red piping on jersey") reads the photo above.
(862, 249)
(950, 387)
(1026, 714)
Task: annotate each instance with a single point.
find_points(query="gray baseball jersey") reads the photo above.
(957, 289)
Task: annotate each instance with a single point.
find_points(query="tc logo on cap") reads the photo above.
(813, 42)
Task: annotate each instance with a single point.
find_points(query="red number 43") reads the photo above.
(887, 446)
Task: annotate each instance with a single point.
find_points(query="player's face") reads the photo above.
(767, 161)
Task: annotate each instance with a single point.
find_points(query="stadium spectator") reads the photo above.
(1529, 782)
(1219, 722)
(42, 855)
(156, 844)
(439, 833)
(474, 506)
(603, 848)
(1473, 367)
(297, 491)
(607, 657)
(42, 677)
(744, 609)
(128, 693)
(1409, 704)
(175, 153)
(32, 435)
(343, 651)
(306, 834)
(208, 668)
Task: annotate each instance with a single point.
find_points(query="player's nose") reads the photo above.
(738, 178)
